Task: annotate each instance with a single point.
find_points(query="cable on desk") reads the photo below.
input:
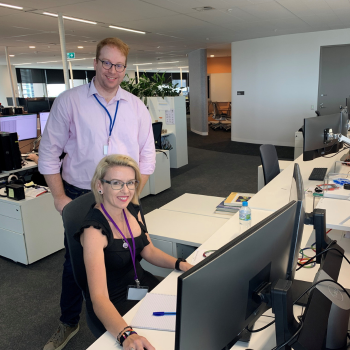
(315, 256)
(305, 257)
(326, 250)
(260, 329)
(345, 146)
(278, 347)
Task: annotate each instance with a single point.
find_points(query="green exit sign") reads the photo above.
(70, 54)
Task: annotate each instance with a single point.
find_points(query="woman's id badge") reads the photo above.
(136, 293)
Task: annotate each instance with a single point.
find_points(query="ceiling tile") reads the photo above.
(305, 7)
(268, 11)
(338, 4)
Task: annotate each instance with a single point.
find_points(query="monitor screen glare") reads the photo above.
(43, 119)
(24, 125)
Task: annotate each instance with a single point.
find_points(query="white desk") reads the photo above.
(178, 234)
(196, 204)
(270, 198)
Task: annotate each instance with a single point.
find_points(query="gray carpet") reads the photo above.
(29, 295)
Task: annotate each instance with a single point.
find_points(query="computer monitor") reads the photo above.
(10, 101)
(24, 125)
(216, 299)
(297, 194)
(43, 119)
(37, 105)
(314, 135)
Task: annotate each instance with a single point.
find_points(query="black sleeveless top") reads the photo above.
(119, 267)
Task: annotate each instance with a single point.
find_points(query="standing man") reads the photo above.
(87, 123)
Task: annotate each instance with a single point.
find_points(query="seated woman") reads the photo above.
(112, 235)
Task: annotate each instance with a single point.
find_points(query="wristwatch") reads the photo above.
(177, 264)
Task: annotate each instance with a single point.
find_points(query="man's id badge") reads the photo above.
(105, 150)
(135, 293)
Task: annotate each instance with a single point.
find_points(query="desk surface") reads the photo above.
(270, 198)
(196, 204)
(163, 224)
(29, 165)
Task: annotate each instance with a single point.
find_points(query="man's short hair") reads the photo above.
(114, 42)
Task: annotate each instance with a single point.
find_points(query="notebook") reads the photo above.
(235, 199)
(153, 302)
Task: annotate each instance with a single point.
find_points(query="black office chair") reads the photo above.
(269, 161)
(157, 133)
(73, 215)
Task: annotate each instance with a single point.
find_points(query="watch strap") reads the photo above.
(177, 264)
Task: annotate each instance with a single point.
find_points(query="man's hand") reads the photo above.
(61, 202)
(33, 157)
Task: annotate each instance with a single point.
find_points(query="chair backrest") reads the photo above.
(73, 216)
(269, 162)
(157, 133)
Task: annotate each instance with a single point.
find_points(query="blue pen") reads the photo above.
(163, 313)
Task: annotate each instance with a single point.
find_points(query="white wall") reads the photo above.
(280, 78)
(220, 87)
(5, 86)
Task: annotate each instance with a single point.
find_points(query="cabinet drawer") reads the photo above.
(11, 224)
(11, 210)
(12, 246)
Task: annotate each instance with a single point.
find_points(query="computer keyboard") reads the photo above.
(318, 174)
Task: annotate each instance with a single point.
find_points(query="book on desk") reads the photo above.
(236, 199)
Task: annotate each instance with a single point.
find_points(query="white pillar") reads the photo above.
(180, 77)
(63, 50)
(71, 73)
(8, 61)
(138, 75)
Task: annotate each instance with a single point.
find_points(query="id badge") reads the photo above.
(135, 293)
(105, 150)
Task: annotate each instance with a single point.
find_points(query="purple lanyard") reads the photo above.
(132, 252)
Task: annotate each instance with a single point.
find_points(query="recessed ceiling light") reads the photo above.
(21, 64)
(128, 30)
(183, 67)
(168, 62)
(32, 47)
(80, 47)
(48, 61)
(70, 18)
(203, 8)
(141, 64)
(11, 6)
(212, 56)
(12, 55)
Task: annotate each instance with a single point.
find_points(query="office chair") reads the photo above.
(269, 161)
(73, 215)
(157, 133)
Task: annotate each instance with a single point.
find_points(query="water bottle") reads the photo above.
(245, 217)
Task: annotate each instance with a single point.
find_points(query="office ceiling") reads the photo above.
(173, 27)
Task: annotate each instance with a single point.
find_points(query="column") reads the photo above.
(198, 91)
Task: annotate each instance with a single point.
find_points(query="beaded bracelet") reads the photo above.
(125, 335)
(122, 331)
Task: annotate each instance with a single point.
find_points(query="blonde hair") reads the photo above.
(109, 162)
(114, 42)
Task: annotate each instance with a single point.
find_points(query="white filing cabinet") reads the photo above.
(30, 229)
(298, 144)
(160, 180)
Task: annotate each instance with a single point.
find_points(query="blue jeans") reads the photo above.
(71, 295)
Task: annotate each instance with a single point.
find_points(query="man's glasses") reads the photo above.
(108, 65)
(118, 185)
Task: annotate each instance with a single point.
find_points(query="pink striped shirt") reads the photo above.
(79, 126)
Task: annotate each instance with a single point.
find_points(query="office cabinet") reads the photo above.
(298, 144)
(30, 229)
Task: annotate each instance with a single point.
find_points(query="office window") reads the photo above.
(53, 90)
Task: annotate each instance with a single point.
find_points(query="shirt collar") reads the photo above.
(120, 95)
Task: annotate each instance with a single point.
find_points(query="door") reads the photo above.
(334, 82)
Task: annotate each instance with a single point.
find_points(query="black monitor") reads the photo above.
(157, 134)
(314, 135)
(37, 105)
(216, 298)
